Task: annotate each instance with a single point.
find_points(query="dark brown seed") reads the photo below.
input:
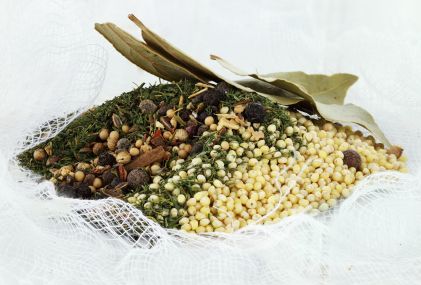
(162, 111)
(223, 87)
(138, 177)
(352, 159)
(89, 179)
(197, 148)
(255, 112)
(115, 182)
(202, 116)
(197, 99)
(83, 191)
(192, 130)
(106, 158)
(201, 130)
(184, 115)
(108, 177)
(70, 179)
(212, 97)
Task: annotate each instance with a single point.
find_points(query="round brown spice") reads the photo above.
(352, 159)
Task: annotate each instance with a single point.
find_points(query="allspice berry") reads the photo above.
(352, 159)
(106, 158)
(107, 177)
(138, 177)
(83, 191)
(212, 97)
(89, 179)
(255, 112)
(98, 148)
(40, 154)
(197, 148)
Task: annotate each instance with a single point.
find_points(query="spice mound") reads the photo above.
(205, 158)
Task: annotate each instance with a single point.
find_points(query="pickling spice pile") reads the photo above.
(207, 158)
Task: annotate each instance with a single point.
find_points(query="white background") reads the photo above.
(49, 68)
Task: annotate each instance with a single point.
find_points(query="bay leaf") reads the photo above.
(143, 56)
(159, 58)
(354, 114)
(325, 93)
(172, 53)
(270, 91)
(327, 89)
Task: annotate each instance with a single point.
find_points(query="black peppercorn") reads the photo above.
(197, 148)
(191, 130)
(115, 182)
(106, 158)
(83, 191)
(197, 99)
(223, 87)
(255, 112)
(352, 159)
(202, 116)
(184, 115)
(201, 130)
(89, 179)
(162, 111)
(107, 177)
(138, 177)
(212, 97)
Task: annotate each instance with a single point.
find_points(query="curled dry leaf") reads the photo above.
(325, 93)
(170, 52)
(144, 56)
(162, 59)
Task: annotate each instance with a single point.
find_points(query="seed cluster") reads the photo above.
(260, 184)
(218, 159)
